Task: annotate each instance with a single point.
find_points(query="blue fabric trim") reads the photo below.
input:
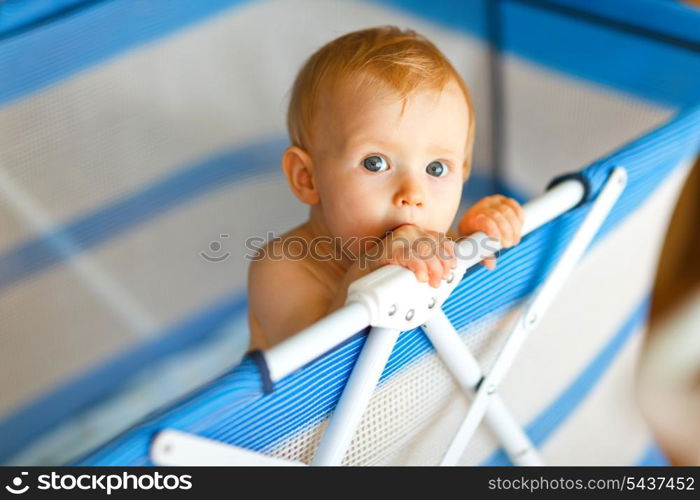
(638, 66)
(673, 22)
(90, 35)
(653, 457)
(22, 15)
(239, 387)
(95, 385)
(551, 419)
(661, 18)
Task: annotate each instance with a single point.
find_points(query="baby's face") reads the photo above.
(376, 169)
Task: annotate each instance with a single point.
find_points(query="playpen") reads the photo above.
(139, 148)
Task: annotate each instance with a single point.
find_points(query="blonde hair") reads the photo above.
(376, 57)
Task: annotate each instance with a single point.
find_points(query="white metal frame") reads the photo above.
(173, 447)
(534, 311)
(391, 300)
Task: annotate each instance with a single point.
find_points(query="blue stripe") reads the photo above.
(101, 30)
(465, 16)
(113, 220)
(673, 21)
(98, 383)
(552, 418)
(19, 15)
(670, 19)
(653, 457)
(125, 214)
(638, 65)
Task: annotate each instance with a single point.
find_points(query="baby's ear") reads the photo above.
(299, 169)
(466, 170)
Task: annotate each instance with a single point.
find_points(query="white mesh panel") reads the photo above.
(406, 405)
(555, 123)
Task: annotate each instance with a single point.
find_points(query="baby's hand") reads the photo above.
(430, 255)
(499, 217)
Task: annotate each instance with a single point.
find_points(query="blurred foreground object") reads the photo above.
(669, 383)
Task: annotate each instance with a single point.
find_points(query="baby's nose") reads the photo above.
(409, 195)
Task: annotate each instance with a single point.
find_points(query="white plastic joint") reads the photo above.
(395, 299)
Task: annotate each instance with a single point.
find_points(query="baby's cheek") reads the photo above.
(447, 206)
(351, 217)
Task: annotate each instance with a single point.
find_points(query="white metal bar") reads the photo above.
(558, 200)
(355, 397)
(467, 372)
(533, 313)
(176, 448)
(566, 264)
(327, 333)
(319, 338)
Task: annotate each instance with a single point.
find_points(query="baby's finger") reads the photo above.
(489, 263)
(487, 225)
(513, 221)
(435, 271)
(424, 247)
(445, 267)
(404, 261)
(449, 255)
(517, 208)
(419, 269)
(504, 227)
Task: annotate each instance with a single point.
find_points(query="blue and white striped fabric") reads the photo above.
(136, 136)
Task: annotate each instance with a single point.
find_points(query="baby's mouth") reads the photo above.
(401, 225)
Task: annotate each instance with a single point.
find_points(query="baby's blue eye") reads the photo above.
(436, 169)
(375, 163)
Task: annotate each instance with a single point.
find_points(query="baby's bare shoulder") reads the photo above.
(273, 266)
(282, 258)
(284, 294)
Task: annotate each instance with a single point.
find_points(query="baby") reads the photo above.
(382, 128)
